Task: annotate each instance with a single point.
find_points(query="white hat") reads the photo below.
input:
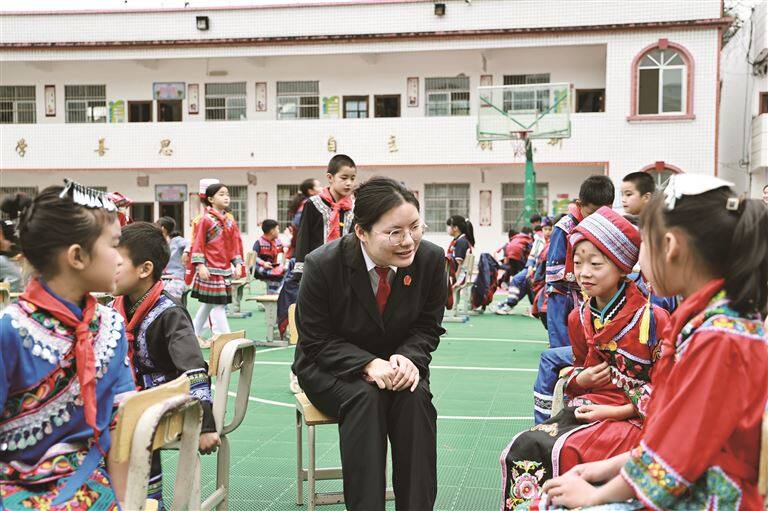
(680, 185)
(205, 183)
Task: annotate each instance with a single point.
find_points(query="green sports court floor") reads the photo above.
(482, 381)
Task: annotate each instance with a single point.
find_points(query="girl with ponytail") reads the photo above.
(701, 438)
(63, 368)
(462, 243)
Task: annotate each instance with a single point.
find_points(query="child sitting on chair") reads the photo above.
(268, 250)
(614, 338)
(161, 339)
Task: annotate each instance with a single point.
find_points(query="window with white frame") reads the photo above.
(298, 100)
(526, 100)
(513, 202)
(661, 83)
(285, 194)
(443, 200)
(447, 96)
(225, 101)
(85, 103)
(8, 191)
(238, 205)
(17, 104)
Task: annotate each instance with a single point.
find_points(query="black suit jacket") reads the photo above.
(339, 324)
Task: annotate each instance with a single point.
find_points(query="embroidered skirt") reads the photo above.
(552, 448)
(95, 495)
(216, 289)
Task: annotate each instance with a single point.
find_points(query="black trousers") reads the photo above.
(367, 416)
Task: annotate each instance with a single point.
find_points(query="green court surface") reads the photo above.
(482, 381)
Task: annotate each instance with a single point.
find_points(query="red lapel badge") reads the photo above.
(407, 280)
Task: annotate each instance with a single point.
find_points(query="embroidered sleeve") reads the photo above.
(556, 257)
(654, 481)
(198, 241)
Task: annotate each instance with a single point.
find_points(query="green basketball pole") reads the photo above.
(529, 207)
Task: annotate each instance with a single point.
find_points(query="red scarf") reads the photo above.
(335, 217)
(150, 299)
(575, 210)
(85, 360)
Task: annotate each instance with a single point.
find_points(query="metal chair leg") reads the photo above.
(299, 462)
(311, 470)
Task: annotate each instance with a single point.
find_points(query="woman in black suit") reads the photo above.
(368, 315)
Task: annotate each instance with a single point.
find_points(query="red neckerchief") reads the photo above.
(688, 308)
(634, 300)
(335, 216)
(85, 360)
(149, 301)
(575, 210)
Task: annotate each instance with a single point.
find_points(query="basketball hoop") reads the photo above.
(521, 114)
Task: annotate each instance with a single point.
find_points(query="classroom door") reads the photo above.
(174, 210)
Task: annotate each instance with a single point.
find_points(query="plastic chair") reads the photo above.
(293, 333)
(151, 420)
(229, 353)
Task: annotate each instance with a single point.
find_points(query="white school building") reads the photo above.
(744, 105)
(148, 102)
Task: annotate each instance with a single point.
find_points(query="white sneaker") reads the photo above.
(293, 383)
(504, 310)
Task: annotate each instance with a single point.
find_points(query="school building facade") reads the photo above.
(149, 102)
(744, 104)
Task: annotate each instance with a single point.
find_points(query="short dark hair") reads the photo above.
(168, 223)
(339, 161)
(534, 219)
(526, 230)
(377, 196)
(144, 242)
(643, 182)
(538, 228)
(597, 191)
(268, 224)
(765, 187)
(51, 223)
(511, 233)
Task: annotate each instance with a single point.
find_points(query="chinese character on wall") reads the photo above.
(102, 149)
(332, 146)
(21, 147)
(392, 144)
(165, 147)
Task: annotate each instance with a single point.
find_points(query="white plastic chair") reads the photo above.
(151, 420)
(229, 353)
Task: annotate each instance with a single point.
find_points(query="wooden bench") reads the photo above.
(270, 318)
(306, 413)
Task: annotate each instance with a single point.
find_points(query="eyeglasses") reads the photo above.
(397, 236)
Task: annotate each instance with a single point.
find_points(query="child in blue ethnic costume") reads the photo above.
(63, 364)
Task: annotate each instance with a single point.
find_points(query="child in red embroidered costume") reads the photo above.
(613, 335)
(269, 254)
(700, 444)
(216, 248)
